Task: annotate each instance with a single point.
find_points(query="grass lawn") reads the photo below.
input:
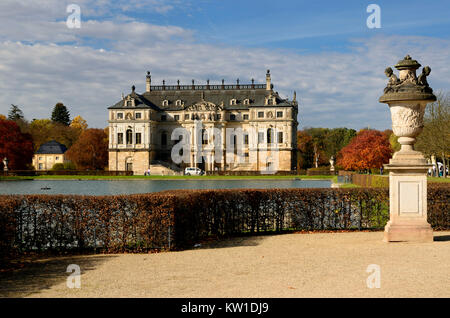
(436, 179)
(167, 177)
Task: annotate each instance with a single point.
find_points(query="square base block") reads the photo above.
(398, 232)
(408, 201)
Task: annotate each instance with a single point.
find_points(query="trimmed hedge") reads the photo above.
(370, 180)
(178, 219)
(324, 171)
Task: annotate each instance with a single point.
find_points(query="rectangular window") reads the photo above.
(138, 138)
(176, 117)
(219, 116)
(138, 116)
(41, 166)
(245, 116)
(120, 138)
(260, 137)
(280, 137)
(57, 158)
(246, 157)
(260, 114)
(186, 116)
(246, 139)
(279, 114)
(232, 117)
(164, 139)
(119, 115)
(163, 117)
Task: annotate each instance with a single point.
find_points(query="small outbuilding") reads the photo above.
(49, 154)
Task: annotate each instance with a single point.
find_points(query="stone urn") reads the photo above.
(332, 161)
(407, 96)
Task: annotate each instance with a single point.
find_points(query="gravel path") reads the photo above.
(291, 265)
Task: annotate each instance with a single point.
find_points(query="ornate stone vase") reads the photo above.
(407, 97)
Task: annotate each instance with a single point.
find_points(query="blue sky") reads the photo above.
(323, 50)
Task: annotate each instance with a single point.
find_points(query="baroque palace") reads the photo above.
(141, 127)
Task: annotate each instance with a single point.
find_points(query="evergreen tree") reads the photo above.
(60, 114)
(15, 113)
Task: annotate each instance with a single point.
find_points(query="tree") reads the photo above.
(435, 137)
(60, 114)
(43, 130)
(79, 123)
(15, 145)
(393, 140)
(2, 117)
(15, 113)
(369, 149)
(90, 151)
(305, 150)
(336, 139)
(318, 138)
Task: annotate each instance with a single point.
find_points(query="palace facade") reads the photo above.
(250, 117)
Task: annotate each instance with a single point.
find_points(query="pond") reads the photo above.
(111, 187)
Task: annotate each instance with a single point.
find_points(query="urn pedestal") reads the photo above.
(408, 204)
(407, 97)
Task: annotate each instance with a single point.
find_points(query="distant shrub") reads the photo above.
(320, 171)
(69, 165)
(58, 167)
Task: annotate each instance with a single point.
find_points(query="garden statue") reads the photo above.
(5, 164)
(332, 164)
(407, 97)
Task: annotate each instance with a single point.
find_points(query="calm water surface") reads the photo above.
(110, 187)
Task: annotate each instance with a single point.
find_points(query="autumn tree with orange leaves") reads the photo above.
(15, 145)
(90, 151)
(368, 150)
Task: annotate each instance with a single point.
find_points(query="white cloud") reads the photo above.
(334, 89)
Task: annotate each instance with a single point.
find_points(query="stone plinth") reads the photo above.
(408, 203)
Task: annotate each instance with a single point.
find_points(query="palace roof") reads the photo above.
(188, 95)
(52, 147)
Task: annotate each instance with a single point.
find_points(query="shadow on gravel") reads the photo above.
(239, 241)
(43, 274)
(253, 239)
(442, 238)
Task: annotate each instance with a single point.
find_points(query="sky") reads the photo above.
(323, 50)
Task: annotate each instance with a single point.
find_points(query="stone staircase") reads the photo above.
(161, 168)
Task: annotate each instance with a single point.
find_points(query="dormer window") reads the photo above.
(179, 102)
(129, 103)
(233, 102)
(165, 103)
(246, 101)
(271, 100)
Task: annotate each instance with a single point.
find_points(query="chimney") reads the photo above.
(268, 85)
(148, 82)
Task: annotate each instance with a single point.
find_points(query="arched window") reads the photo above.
(269, 135)
(204, 137)
(165, 103)
(129, 137)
